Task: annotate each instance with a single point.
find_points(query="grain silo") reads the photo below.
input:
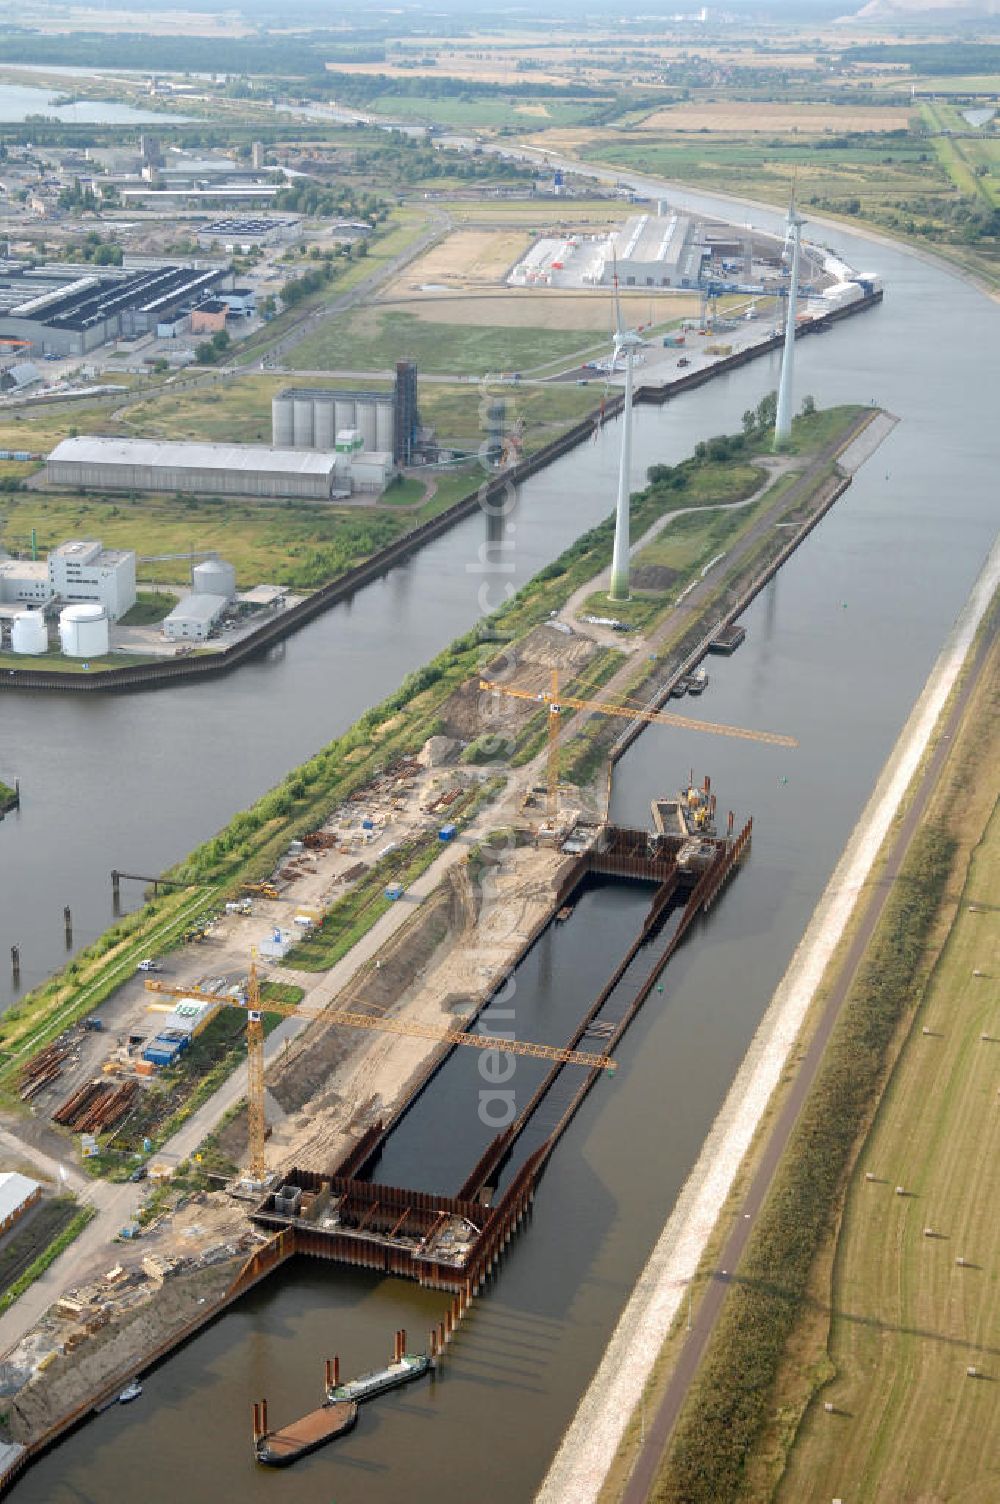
(282, 421)
(214, 577)
(302, 421)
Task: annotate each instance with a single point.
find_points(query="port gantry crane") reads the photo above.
(557, 702)
(252, 1005)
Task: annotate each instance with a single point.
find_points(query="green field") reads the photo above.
(904, 184)
(374, 338)
(907, 1319)
(283, 542)
(485, 113)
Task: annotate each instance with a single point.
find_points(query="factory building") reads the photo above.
(209, 317)
(651, 250)
(311, 417)
(70, 310)
(18, 1195)
(193, 618)
(24, 582)
(86, 571)
(216, 469)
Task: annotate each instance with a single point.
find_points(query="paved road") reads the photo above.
(638, 1489)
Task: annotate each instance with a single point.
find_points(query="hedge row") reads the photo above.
(731, 1398)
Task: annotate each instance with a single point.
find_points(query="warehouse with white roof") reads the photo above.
(219, 469)
(18, 1194)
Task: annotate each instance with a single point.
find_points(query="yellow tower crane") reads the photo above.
(254, 1009)
(557, 702)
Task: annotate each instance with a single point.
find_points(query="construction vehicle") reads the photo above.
(556, 703)
(255, 1009)
(265, 890)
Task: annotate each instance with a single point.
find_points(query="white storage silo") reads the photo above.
(29, 634)
(282, 429)
(84, 631)
(344, 415)
(214, 577)
(323, 433)
(367, 423)
(383, 428)
(302, 422)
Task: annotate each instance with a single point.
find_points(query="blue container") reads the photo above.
(368, 825)
(447, 832)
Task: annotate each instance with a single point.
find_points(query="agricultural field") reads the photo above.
(754, 117)
(915, 1277)
(465, 259)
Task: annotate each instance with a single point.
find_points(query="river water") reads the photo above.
(18, 101)
(837, 650)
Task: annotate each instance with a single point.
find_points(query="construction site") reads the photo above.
(331, 1048)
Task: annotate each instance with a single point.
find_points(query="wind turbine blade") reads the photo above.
(619, 328)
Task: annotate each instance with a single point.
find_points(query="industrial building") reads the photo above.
(25, 582)
(77, 572)
(18, 1195)
(243, 232)
(311, 417)
(193, 618)
(69, 310)
(86, 571)
(216, 469)
(651, 250)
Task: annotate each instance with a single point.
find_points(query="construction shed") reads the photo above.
(219, 469)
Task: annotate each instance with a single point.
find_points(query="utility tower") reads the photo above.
(783, 421)
(627, 342)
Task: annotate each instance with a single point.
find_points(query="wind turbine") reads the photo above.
(783, 420)
(627, 342)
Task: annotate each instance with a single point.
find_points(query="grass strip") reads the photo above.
(36, 1269)
(729, 1402)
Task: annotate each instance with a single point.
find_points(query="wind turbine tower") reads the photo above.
(627, 342)
(783, 421)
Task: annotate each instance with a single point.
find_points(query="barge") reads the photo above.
(282, 1447)
(727, 639)
(404, 1368)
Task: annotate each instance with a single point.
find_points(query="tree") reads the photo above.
(808, 406)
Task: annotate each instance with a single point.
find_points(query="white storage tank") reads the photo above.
(29, 634)
(344, 414)
(84, 631)
(214, 577)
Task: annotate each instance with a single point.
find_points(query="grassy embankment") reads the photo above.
(664, 568)
(250, 845)
(903, 1321)
(898, 1320)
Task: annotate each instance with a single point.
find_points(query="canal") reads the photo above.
(837, 649)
